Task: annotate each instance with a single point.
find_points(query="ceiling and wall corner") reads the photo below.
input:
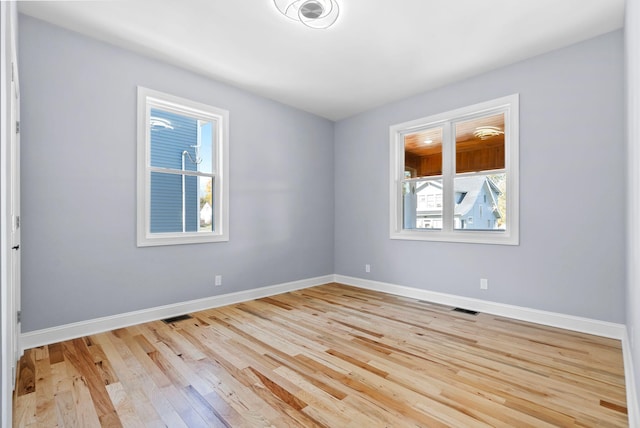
(377, 51)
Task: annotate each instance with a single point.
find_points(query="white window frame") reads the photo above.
(148, 99)
(508, 105)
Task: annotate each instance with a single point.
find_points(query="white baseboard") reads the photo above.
(98, 325)
(633, 409)
(83, 328)
(47, 336)
(552, 319)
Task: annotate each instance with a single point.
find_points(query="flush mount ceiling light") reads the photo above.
(484, 132)
(312, 13)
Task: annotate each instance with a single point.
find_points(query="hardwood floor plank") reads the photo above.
(66, 409)
(86, 410)
(56, 353)
(102, 364)
(327, 356)
(123, 405)
(86, 378)
(209, 385)
(45, 403)
(24, 410)
(26, 383)
(324, 407)
(187, 413)
(206, 411)
(309, 375)
(279, 391)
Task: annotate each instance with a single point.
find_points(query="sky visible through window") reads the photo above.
(206, 136)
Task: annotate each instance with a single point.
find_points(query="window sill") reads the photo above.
(466, 236)
(179, 239)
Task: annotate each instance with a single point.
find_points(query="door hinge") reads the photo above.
(19, 316)
(17, 126)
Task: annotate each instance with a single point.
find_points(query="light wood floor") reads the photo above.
(329, 356)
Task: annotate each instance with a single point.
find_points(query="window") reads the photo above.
(183, 183)
(464, 164)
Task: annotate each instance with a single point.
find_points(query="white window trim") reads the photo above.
(511, 236)
(147, 99)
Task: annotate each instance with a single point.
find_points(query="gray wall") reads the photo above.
(632, 51)
(294, 176)
(80, 259)
(571, 257)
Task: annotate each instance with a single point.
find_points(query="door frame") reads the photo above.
(9, 203)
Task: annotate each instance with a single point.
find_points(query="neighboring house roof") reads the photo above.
(436, 184)
(471, 188)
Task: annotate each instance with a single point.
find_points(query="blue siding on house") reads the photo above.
(166, 203)
(171, 135)
(167, 144)
(192, 215)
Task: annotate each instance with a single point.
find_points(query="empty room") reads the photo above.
(320, 213)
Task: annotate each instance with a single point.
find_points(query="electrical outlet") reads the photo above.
(218, 280)
(367, 268)
(484, 284)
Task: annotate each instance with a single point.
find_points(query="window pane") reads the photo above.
(183, 191)
(422, 204)
(181, 142)
(423, 153)
(480, 144)
(166, 203)
(480, 202)
(454, 175)
(205, 204)
(204, 153)
(171, 136)
(180, 203)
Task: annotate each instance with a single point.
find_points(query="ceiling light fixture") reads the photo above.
(484, 132)
(312, 13)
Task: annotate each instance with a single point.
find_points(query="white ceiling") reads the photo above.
(377, 52)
